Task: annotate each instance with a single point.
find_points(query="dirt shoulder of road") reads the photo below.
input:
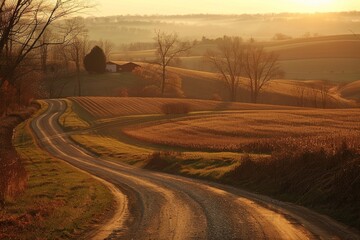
(60, 202)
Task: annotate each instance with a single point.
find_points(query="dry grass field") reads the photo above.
(351, 90)
(109, 107)
(236, 131)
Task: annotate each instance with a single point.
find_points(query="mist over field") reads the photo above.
(140, 28)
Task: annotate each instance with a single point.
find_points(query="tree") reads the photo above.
(95, 61)
(24, 28)
(168, 48)
(22, 25)
(107, 46)
(228, 61)
(260, 68)
(152, 78)
(77, 48)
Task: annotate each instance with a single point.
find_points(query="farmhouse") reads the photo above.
(129, 67)
(116, 67)
(113, 67)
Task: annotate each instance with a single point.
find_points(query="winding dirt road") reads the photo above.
(154, 205)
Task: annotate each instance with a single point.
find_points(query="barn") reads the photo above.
(117, 67)
(129, 67)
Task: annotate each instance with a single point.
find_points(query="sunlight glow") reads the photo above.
(315, 3)
(116, 7)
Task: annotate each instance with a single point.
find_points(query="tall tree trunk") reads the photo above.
(163, 80)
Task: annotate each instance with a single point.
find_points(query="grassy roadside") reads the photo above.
(70, 120)
(60, 202)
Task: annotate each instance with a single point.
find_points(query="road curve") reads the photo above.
(154, 205)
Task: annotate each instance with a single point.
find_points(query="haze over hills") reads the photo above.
(140, 28)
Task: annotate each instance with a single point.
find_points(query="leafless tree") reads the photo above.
(107, 46)
(24, 22)
(324, 90)
(168, 48)
(260, 68)
(314, 95)
(300, 91)
(228, 61)
(77, 48)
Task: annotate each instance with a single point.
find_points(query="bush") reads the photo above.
(151, 91)
(95, 61)
(161, 161)
(121, 92)
(175, 108)
(216, 97)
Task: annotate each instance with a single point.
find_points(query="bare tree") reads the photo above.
(77, 48)
(24, 22)
(260, 67)
(324, 90)
(314, 95)
(300, 91)
(107, 46)
(228, 61)
(168, 48)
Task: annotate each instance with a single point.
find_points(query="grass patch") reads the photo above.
(60, 202)
(175, 108)
(70, 120)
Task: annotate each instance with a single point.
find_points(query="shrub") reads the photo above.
(122, 92)
(95, 61)
(175, 108)
(216, 97)
(161, 161)
(151, 91)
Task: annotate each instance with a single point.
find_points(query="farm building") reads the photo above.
(116, 67)
(129, 67)
(113, 67)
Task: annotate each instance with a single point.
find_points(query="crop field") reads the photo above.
(236, 131)
(107, 107)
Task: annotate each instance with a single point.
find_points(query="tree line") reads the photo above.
(41, 42)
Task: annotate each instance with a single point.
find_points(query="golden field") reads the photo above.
(233, 131)
(109, 107)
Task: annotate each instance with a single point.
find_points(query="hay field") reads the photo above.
(237, 131)
(109, 107)
(351, 90)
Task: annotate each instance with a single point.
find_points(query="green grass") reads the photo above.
(60, 202)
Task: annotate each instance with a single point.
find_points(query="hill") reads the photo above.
(351, 90)
(333, 58)
(203, 85)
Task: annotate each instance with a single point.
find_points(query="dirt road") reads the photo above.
(154, 205)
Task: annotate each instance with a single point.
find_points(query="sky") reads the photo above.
(168, 7)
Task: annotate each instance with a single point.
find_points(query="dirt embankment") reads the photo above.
(12, 172)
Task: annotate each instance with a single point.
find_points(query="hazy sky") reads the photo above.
(120, 7)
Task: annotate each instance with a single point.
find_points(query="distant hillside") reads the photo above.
(204, 85)
(332, 58)
(351, 91)
(127, 29)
